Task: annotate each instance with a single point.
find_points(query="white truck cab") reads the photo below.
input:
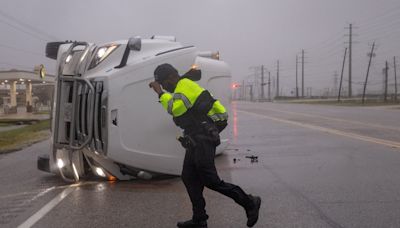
(107, 121)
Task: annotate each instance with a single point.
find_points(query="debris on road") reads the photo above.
(253, 159)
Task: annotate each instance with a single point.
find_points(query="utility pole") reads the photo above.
(341, 76)
(395, 78)
(297, 87)
(277, 80)
(269, 85)
(273, 83)
(243, 91)
(255, 83)
(350, 57)
(386, 81)
(369, 65)
(335, 83)
(251, 92)
(262, 83)
(302, 73)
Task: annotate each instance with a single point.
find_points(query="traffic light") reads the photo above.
(235, 85)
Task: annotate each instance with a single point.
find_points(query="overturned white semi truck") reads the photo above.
(106, 121)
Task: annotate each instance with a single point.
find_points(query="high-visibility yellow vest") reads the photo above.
(185, 96)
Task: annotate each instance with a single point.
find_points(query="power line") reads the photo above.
(16, 65)
(392, 30)
(384, 14)
(23, 31)
(329, 51)
(28, 26)
(383, 25)
(329, 56)
(326, 43)
(21, 50)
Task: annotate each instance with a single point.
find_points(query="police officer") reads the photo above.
(202, 118)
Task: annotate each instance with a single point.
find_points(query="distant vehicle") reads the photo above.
(105, 119)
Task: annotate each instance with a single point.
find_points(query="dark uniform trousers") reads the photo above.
(199, 171)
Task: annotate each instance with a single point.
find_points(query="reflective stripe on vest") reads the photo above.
(219, 116)
(182, 97)
(178, 96)
(170, 103)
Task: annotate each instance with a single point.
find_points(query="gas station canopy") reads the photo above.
(10, 79)
(27, 76)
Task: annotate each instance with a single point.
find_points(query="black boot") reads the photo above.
(193, 224)
(252, 210)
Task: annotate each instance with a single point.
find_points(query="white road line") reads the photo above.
(41, 192)
(48, 207)
(329, 130)
(333, 119)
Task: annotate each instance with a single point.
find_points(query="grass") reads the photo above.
(42, 113)
(20, 138)
(7, 122)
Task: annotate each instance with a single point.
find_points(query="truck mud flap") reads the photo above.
(43, 163)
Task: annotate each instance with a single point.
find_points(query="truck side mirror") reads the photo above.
(135, 43)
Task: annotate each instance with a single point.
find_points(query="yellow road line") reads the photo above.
(334, 119)
(389, 143)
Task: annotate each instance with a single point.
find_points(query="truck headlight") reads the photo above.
(60, 163)
(102, 53)
(100, 172)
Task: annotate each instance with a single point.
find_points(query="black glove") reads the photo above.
(212, 131)
(187, 142)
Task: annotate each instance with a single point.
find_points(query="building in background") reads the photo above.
(19, 88)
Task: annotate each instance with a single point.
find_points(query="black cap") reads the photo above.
(163, 71)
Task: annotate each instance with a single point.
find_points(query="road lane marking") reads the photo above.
(68, 189)
(332, 118)
(48, 207)
(41, 192)
(329, 130)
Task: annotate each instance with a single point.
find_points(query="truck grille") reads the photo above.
(80, 114)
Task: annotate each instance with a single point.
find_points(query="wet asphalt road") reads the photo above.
(318, 166)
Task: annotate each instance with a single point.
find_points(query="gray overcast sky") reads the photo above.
(246, 32)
